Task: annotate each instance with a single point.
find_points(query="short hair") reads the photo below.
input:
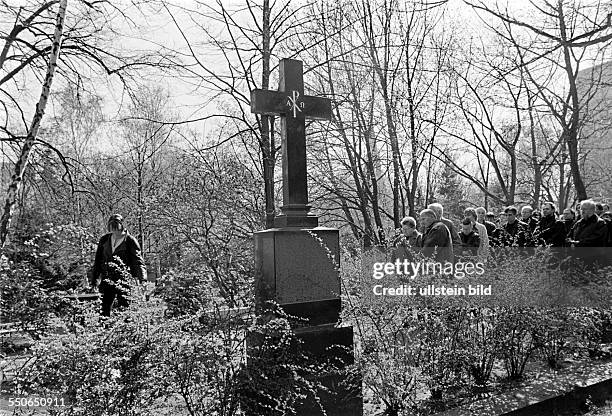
(599, 206)
(588, 203)
(490, 214)
(408, 220)
(527, 208)
(470, 211)
(481, 210)
(466, 221)
(552, 206)
(511, 209)
(437, 208)
(429, 212)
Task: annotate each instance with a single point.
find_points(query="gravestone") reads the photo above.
(298, 261)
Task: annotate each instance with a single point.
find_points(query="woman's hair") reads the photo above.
(115, 222)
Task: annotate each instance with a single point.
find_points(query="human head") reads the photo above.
(587, 208)
(599, 209)
(490, 216)
(470, 213)
(526, 212)
(511, 213)
(606, 207)
(427, 217)
(467, 225)
(481, 213)
(115, 223)
(548, 208)
(437, 208)
(569, 214)
(408, 226)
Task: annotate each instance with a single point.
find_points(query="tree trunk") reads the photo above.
(22, 162)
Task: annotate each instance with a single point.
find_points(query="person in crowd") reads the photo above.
(606, 208)
(569, 218)
(436, 241)
(470, 240)
(116, 247)
(491, 217)
(607, 217)
(599, 209)
(578, 212)
(517, 232)
(528, 218)
(439, 210)
(481, 231)
(481, 213)
(409, 240)
(589, 230)
(550, 231)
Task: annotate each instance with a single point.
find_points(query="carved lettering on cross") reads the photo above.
(290, 103)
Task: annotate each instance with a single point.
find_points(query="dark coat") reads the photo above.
(490, 227)
(436, 239)
(591, 232)
(452, 230)
(129, 253)
(517, 234)
(470, 243)
(550, 232)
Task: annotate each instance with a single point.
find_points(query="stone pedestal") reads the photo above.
(298, 268)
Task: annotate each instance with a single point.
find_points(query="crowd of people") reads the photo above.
(590, 225)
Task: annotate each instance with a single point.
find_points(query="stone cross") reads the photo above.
(293, 107)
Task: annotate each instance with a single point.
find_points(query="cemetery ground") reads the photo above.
(181, 352)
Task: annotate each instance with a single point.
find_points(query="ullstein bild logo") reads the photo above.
(432, 290)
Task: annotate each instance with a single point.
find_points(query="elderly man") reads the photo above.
(589, 230)
(481, 230)
(528, 218)
(436, 237)
(550, 231)
(439, 211)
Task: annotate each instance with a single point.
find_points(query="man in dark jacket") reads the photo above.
(114, 248)
(590, 230)
(517, 233)
(436, 237)
(470, 240)
(550, 231)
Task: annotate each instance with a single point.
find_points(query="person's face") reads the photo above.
(116, 229)
(491, 218)
(526, 214)
(511, 217)
(426, 221)
(546, 210)
(606, 208)
(567, 214)
(480, 215)
(503, 218)
(407, 229)
(466, 228)
(587, 211)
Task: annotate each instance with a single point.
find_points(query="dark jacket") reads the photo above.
(405, 247)
(532, 223)
(490, 227)
(591, 232)
(470, 243)
(550, 232)
(436, 239)
(129, 253)
(452, 230)
(517, 234)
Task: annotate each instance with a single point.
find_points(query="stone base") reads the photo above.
(296, 265)
(342, 394)
(305, 221)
